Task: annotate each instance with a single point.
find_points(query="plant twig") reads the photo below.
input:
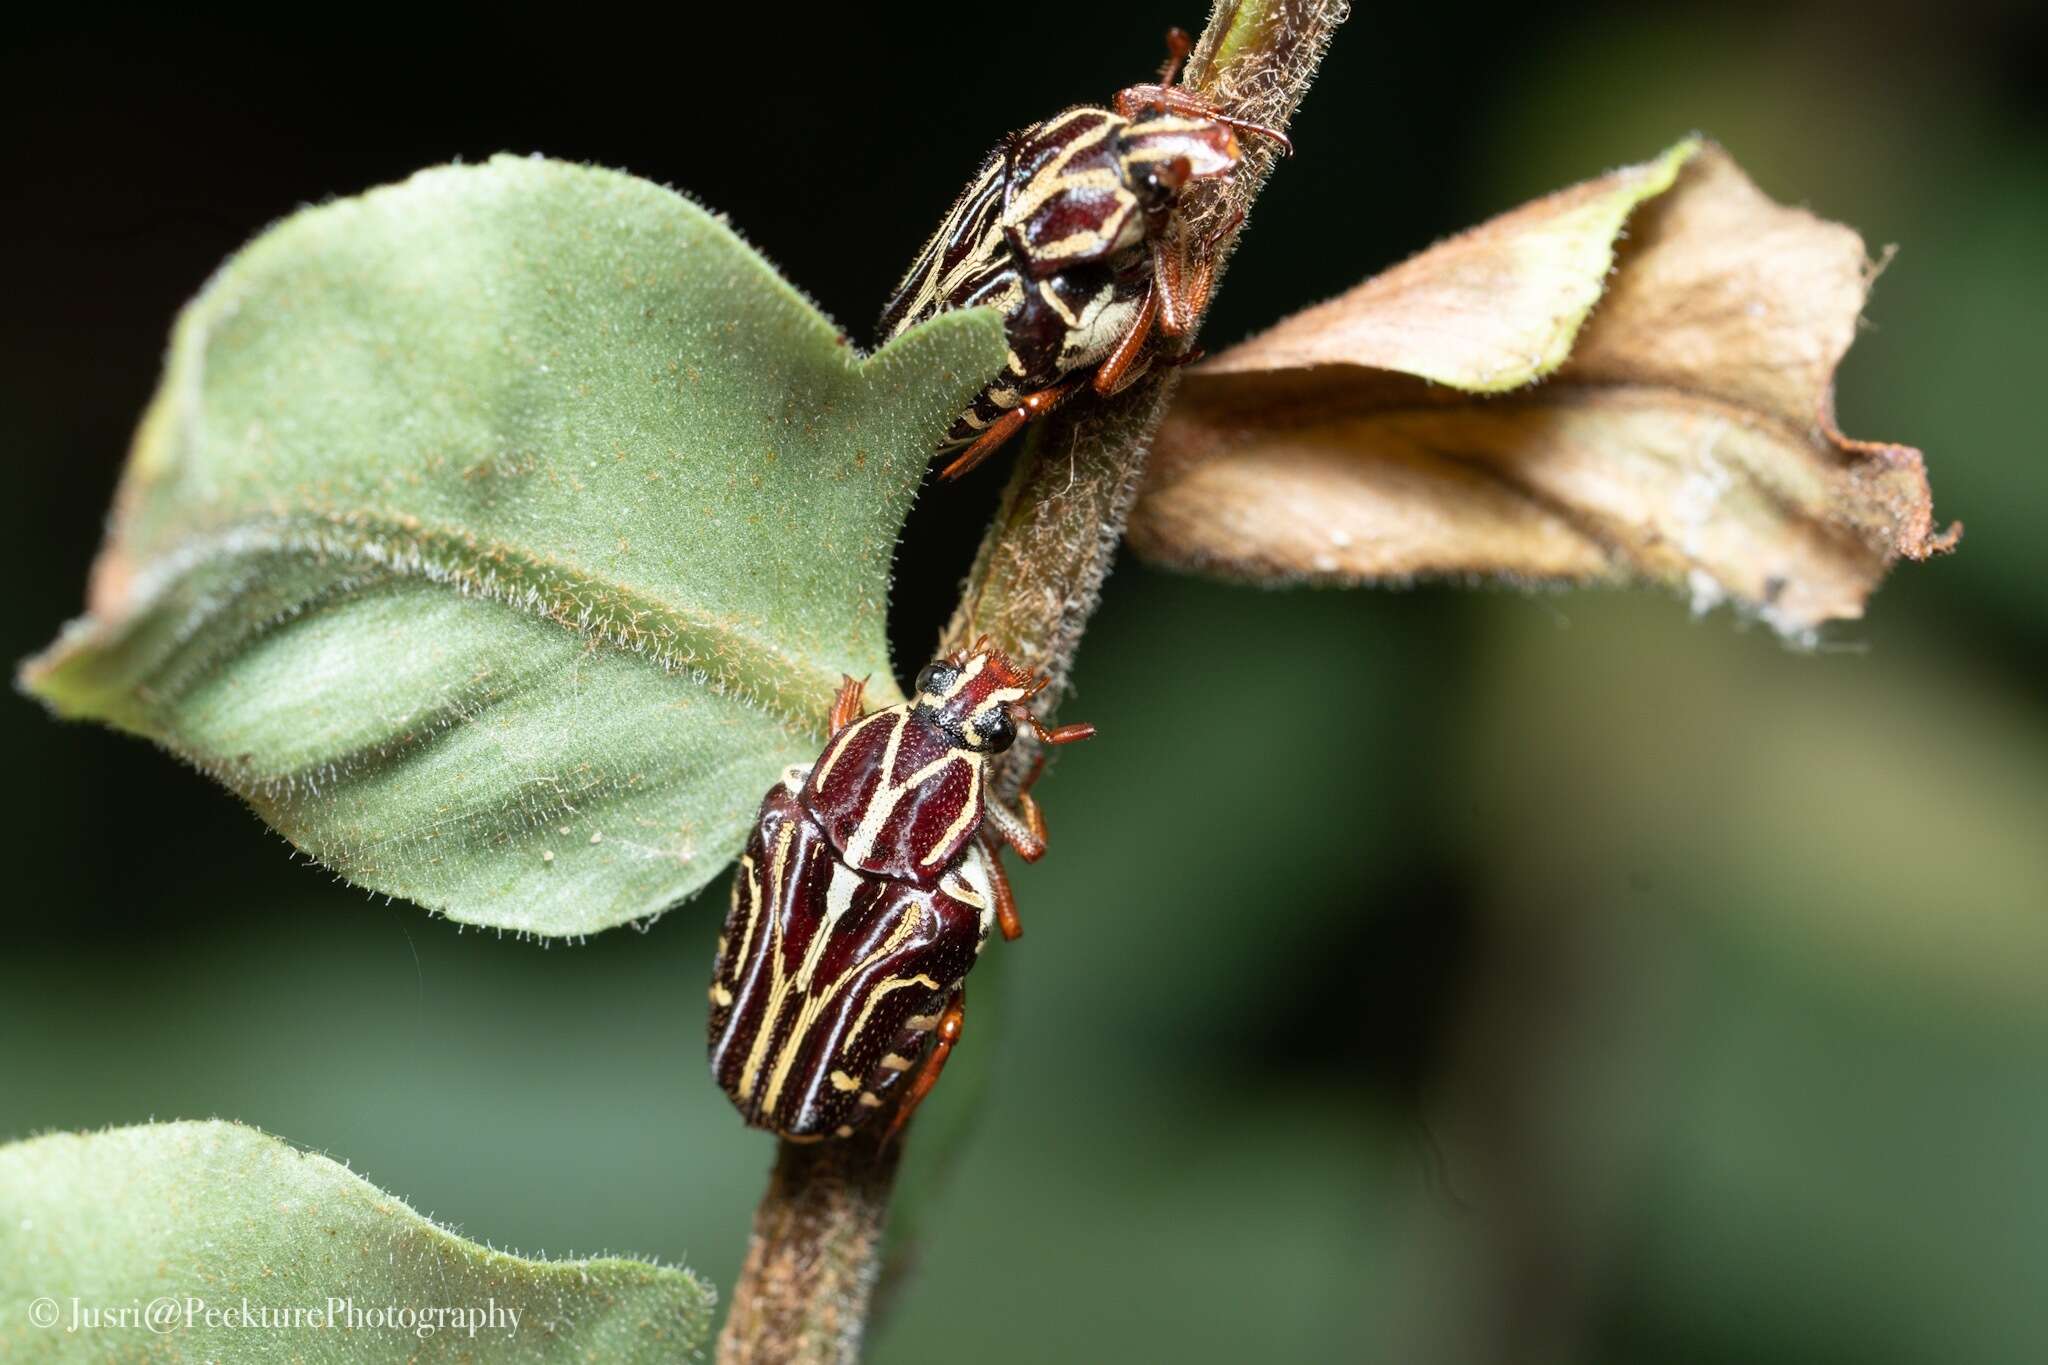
(803, 1292)
(1040, 569)
(802, 1296)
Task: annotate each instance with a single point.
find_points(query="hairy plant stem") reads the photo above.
(803, 1293)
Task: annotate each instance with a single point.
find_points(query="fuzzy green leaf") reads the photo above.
(207, 1237)
(500, 535)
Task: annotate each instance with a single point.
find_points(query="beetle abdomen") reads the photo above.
(826, 974)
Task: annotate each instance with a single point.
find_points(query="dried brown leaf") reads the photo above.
(1550, 398)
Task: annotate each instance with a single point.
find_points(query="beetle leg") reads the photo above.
(948, 1033)
(1030, 407)
(846, 707)
(1111, 374)
(1182, 284)
(1006, 899)
(1022, 829)
(1034, 823)
(1059, 734)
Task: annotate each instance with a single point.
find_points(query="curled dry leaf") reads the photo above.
(1550, 398)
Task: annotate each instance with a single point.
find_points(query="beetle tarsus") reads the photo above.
(1065, 734)
(847, 706)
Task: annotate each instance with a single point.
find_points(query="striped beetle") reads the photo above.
(865, 894)
(1066, 230)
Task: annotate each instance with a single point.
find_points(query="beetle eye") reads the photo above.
(998, 732)
(936, 677)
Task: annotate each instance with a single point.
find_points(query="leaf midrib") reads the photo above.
(718, 653)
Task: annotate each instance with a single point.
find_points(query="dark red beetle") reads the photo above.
(864, 896)
(1065, 229)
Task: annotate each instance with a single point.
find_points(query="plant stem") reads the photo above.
(803, 1292)
(802, 1296)
(1039, 573)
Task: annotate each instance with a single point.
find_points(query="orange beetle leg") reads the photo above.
(927, 1076)
(1006, 899)
(1029, 408)
(1110, 374)
(846, 707)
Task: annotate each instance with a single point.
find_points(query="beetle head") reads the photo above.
(978, 698)
(1162, 152)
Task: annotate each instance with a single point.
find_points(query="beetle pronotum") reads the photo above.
(1066, 228)
(863, 897)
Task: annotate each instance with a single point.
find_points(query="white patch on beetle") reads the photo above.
(839, 893)
(971, 884)
(1102, 323)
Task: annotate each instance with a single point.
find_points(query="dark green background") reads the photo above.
(1422, 976)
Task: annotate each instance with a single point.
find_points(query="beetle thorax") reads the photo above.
(894, 797)
(900, 792)
(1067, 202)
(1090, 185)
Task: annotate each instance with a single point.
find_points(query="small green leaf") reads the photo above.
(501, 534)
(207, 1237)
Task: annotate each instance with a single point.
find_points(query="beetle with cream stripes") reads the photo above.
(1071, 230)
(863, 897)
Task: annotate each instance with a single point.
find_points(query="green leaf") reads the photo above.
(501, 534)
(167, 1221)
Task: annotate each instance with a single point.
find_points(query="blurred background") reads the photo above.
(1427, 976)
